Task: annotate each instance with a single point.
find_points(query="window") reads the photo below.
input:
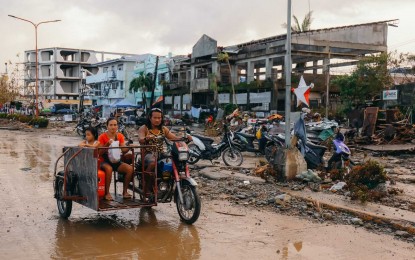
(120, 67)
(162, 77)
(105, 69)
(121, 85)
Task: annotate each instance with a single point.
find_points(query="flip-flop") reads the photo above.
(108, 199)
(128, 196)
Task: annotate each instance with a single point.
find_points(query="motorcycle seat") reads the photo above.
(204, 139)
(248, 136)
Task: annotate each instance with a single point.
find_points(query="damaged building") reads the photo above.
(256, 68)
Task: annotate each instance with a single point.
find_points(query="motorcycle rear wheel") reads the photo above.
(64, 206)
(232, 157)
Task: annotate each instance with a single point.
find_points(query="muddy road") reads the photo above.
(31, 229)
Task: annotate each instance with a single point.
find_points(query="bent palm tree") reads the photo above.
(142, 83)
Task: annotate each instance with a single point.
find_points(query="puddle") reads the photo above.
(305, 250)
(110, 236)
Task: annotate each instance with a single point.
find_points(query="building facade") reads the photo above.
(60, 73)
(111, 82)
(256, 68)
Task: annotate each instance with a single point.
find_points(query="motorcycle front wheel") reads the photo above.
(189, 210)
(232, 157)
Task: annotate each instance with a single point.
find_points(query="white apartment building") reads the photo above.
(110, 82)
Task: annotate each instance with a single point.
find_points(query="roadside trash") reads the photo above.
(282, 199)
(357, 221)
(309, 176)
(246, 182)
(338, 186)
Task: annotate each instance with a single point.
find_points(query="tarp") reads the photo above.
(123, 103)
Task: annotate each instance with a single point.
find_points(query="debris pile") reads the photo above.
(395, 133)
(393, 128)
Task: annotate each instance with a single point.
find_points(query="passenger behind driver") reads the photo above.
(91, 136)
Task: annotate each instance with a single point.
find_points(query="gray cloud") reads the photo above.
(162, 26)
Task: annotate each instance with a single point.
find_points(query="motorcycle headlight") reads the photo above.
(183, 156)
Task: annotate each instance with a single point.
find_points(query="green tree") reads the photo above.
(142, 83)
(224, 57)
(367, 80)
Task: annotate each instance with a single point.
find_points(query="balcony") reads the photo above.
(200, 85)
(118, 75)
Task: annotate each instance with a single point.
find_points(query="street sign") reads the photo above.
(390, 95)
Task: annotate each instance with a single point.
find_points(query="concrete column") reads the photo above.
(268, 68)
(250, 71)
(315, 64)
(234, 74)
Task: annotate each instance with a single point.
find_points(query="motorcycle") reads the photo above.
(313, 153)
(82, 125)
(204, 148)
(250, 143)
(99, 124)
(173, 181)
(123, 129)
(341, 156)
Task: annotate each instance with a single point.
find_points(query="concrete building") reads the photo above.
(257, 67)
(60, 77)
(111, 80)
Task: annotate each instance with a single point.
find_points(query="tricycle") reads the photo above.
(83, 182)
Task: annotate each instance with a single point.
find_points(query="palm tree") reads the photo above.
(142, 83)
(224, 57)
(298, 27)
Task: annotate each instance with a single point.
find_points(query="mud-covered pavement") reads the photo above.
(31, 229)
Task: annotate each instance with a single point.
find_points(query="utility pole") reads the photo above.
(154, 81)
(288, 70)
(37, 62)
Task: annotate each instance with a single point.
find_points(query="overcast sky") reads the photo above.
(162, 26)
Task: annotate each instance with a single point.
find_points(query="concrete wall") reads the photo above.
(204, 46)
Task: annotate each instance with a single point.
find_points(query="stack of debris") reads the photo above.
(394, 128)
(395, 133)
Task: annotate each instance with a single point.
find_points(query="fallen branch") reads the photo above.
(230, 214)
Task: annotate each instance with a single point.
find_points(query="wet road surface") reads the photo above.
(31, 229)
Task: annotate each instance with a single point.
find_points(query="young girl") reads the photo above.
(91, 136)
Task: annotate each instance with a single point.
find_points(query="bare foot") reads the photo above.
(108, 197)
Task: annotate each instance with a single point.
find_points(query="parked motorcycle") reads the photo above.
(123, 129)
(204, 148)
(173, 181)
(250, 142)
(313, 153)
(82, 125)
(341, 155)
